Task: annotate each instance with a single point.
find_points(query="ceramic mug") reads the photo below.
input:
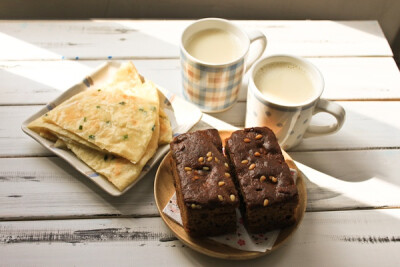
(214, 87)
(291, 122)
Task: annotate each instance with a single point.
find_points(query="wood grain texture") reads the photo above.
(345, 238)
(350, 179)
(102, 39)
(368, 125)
(356, 168)
(38, 82)
(383, 11)
(346, 78)
(50, 188)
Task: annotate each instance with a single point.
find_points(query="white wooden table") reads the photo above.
(51, 215)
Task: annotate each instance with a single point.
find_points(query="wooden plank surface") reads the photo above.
(367, 126)
(346, 238)
(38, 82)
(350, 179)
(101, 39)
(353, 169)
(346, 78)
(49, 188)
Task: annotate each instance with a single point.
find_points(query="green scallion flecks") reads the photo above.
(80, 127)
(125, 137)
(143, 110)
(84, 119)
(152, 128)
(105, 157)
(97, 106)
(92, 137)
(122, 103)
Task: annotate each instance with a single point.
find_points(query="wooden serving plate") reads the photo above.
(164, 189)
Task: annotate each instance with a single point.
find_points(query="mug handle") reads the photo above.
(255, 35)
(332, 108)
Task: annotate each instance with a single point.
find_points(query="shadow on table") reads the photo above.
(346, 170)
(137, 202)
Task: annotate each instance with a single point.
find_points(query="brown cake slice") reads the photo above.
(268, 194)
(205, 191)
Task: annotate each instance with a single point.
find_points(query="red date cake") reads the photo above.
(268, 194)
(206, 194)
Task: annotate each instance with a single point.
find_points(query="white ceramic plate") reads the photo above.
(182, 114)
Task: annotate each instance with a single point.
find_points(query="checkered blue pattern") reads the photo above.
(211, 88)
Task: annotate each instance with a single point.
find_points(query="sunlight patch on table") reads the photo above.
(25, 49)
(59, 76)
(371, 192)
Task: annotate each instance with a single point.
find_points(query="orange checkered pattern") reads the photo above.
(212, 88)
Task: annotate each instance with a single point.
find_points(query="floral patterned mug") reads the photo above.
(290, 121)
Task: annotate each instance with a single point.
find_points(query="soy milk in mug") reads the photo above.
(285, 82)
(214, 46)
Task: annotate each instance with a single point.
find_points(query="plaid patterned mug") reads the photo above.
(214, 87)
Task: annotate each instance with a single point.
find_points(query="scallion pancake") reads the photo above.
(53, 132)
(111, 120)
(124, 78)
(165, 128)
(119, 171)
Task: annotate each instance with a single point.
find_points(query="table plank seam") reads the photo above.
(169, 58)
(5, 156)
(157, 215)
(241, 101)
(80, 217)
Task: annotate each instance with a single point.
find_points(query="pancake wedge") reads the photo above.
(165, 128)
(119, 171)
(111, 120)
(124, 78)
(53, 132)
(128, 79)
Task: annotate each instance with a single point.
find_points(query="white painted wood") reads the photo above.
(346, 238)
(350, 179)
(356, 168)
(13, 141)
(369, 124)
(100, 39)
(383, 11)
(356, 78)
(49, 188)
(38, 82)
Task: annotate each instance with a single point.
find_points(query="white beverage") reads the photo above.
(214, 46)
(284, 83)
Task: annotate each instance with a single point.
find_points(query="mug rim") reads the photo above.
(201, 62)
(305, 63)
